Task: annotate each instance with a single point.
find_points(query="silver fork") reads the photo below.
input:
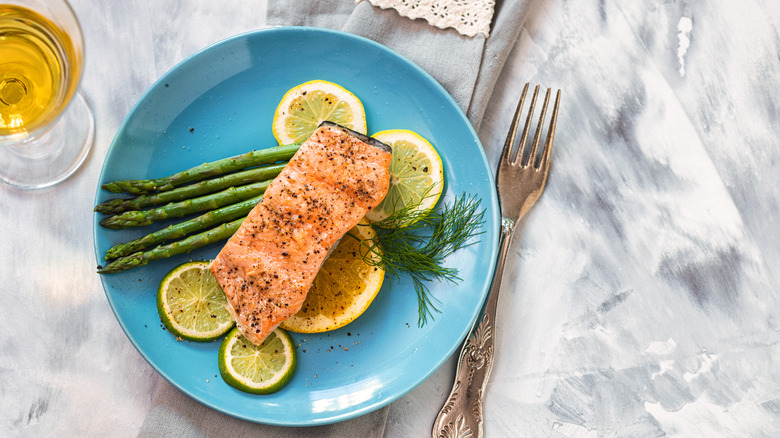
(520, 179)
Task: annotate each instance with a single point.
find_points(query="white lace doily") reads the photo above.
(468, 17)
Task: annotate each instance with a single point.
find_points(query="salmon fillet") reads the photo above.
(267, 267)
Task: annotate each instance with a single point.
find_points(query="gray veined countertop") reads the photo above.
(642, 296)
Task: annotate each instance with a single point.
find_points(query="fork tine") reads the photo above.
(524, 137)
(506, 155)
(545, 162)
(538, 134)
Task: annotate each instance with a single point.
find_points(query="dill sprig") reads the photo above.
(420, 248)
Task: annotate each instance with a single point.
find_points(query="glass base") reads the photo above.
(51, 156)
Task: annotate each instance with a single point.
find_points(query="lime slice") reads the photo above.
(304, 107)
(256, 369)
(191, 303)
(344, 286)
(416, 175)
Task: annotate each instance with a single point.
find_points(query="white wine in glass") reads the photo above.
(46, 125)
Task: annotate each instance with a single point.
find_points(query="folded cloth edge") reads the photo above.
(173, 414)
(509, 20)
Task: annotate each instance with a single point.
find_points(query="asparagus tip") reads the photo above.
(123, 264)
(127, 219)
(111, 187)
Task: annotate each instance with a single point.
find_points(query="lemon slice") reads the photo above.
(258, 369)
(191, 303)
(304, 107)
(416, 175)
(343, 289)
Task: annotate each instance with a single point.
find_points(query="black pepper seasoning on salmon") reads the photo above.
(268, 266)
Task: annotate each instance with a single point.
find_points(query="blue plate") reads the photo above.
(220, 102)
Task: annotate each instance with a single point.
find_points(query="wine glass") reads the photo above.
(46, 125)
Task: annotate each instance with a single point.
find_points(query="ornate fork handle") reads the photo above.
(461, 415)
(520, 179)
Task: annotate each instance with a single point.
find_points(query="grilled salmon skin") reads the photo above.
(267, 267)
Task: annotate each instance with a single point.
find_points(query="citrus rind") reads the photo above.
(262, 369)
(305, 106)
(344, 287)
(192, 305)
(416, 176)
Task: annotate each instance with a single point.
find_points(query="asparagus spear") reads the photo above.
(178, 209)
(119, 205)
(203, 171)
(187, 244)
(182, 229)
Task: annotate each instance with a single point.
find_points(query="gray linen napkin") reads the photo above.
(467, 67)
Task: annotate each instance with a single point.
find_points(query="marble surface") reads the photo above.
(641, 299)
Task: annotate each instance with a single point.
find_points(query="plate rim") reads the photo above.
(381, 402)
